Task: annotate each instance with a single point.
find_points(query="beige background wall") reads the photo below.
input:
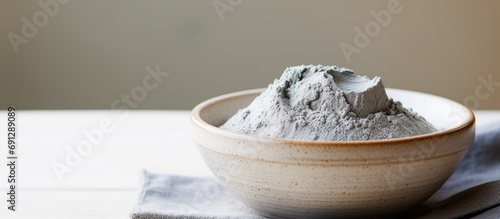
(92, 52)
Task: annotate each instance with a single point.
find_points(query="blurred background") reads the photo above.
(157, 54)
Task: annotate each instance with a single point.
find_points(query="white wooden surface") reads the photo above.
(104, 184)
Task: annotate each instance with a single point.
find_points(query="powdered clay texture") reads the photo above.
(327, 103)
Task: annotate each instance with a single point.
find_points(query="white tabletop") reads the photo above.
(103, 184)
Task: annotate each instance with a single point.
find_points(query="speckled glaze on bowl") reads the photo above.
(283, 178)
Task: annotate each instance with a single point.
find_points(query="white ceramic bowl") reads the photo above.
(303, 179)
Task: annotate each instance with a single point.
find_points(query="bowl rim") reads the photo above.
(196, 118)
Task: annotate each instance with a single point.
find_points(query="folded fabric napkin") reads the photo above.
(473, 191)
(174, 196)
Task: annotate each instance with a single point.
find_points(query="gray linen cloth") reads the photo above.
(473, 191)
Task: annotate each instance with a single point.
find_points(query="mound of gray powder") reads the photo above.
(327, 103)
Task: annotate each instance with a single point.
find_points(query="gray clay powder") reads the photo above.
(327, 103)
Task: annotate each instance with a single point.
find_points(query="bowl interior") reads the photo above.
(219, 109)
(443, 113)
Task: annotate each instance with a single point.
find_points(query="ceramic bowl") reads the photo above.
(283, 178)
